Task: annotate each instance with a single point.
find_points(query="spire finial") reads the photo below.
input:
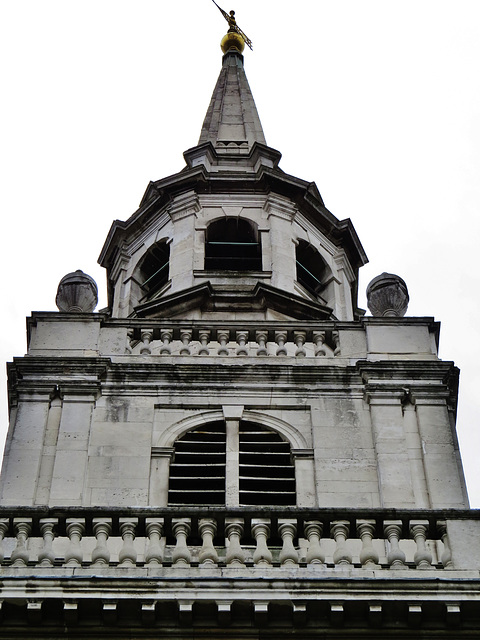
(235, 38)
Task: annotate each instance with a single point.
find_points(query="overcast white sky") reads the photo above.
(377, 101)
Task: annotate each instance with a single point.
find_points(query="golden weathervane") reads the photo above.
(232, 23)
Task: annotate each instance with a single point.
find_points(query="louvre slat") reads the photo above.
(266, 472)
(267, 476)
(197, 474)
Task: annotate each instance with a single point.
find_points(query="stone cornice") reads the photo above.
(48, 376)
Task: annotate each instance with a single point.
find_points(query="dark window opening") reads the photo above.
(197, 472)
(233, 244)
(154, 268)
(267, 474)
(310, 268)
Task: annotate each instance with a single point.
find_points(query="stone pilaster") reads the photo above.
(24, 448)
(393, 463)
(70, 468)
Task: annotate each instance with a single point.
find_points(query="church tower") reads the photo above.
(233, 449)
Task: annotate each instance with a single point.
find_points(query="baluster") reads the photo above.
(288, 530)
(102, 528)
(154, 529)
(128, 554)
(261, 337)
(299, 338)
(336, 342)
(368, 554)
(181, 530)
(4, 522)
(146, 335)
(204, 337)
(185, 337)
(242, 338)
(223, 337)
(261, 531)
(234, 530)
(128, 347)
(22, 528)
(422, 557)
(166, 336)
(280, 339)
(340, 530)
(46, 557)
(75, 531)
(314, 530)
(208, 554)
(395, 556)
(319, 340)
(447, 552)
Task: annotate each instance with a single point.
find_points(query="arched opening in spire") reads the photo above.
(233, 244)
(154, 268)
(311, 268)
(263, 472)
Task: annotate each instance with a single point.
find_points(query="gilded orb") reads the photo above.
(232, 40)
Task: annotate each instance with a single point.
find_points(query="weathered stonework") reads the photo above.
(232, 449)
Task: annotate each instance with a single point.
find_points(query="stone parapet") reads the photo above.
(84, 335)
(323, 568)
(380, 540)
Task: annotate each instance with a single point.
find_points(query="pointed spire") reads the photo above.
(232, 119)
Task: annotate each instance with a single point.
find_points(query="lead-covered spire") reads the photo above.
(232, 119)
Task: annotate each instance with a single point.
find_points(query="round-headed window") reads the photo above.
(154, 268)
(233, 244)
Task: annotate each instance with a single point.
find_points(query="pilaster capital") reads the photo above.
(383, 397)
(302, 454)
(163, 452)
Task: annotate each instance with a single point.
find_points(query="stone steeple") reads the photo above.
(232, 117)
(232, 225)
(232, 449)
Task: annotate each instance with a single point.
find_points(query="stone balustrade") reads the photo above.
(292, 539)
(317, 341)
(247, 339)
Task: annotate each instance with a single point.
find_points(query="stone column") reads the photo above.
(280, 213)
(232, 415)
(70, 468)
(393, 464)
(344, 278)
(199, 247)
(265, 244)
(24, 448)
(305, 477)
(159, 475)
(444, 478)
(415, 454)
(48, 453)
(182, 212)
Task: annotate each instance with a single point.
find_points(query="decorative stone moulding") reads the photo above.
(77, 293)
(387, 296)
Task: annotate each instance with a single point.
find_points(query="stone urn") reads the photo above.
(77, 293)
(387, 296)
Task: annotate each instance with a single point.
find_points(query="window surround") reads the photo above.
(163, 449)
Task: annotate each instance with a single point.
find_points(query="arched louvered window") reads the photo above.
(311, 267)
(260, 471)
(154, 268)
(266, 472)
(197, 472)
(233, 244)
